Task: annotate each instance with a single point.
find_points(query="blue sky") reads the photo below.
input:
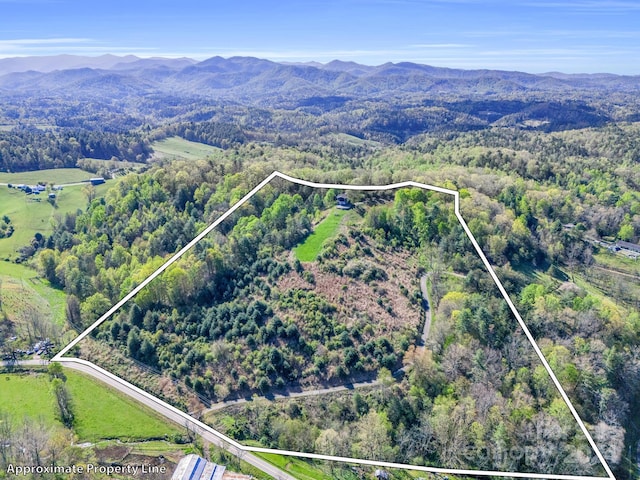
(529, 35)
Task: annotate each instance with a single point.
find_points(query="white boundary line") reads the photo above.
(485, 261)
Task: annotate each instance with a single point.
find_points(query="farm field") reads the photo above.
(618, 262)
(101, 413)
(27, 396)
(22, 305)
(30, 214)
(176, 147)
(56, 176)
(298, 467)
(308, 470)
(23, 294)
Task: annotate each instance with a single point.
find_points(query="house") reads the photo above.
(343, 203)
(193, 467)
(96, 181)
(382, 474)
(632, 247)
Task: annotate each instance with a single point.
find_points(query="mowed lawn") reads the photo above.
(308, 250)
(29, 216)
(101, 413)
(181, 148)
(27, 395)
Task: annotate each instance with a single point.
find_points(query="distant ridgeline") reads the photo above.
(117, 109)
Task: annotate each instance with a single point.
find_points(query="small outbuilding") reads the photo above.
(97, 181)
(343, 203)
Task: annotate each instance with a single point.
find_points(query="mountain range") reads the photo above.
(407, 98)
(252, 78)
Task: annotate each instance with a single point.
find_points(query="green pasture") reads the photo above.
(298, 467)
(177, 147)
(30, 214)
(617, 262)
(101, 413)
(308, 250)
(56, 176)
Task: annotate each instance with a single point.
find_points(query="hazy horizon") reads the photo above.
(127, 58)
(581, 36)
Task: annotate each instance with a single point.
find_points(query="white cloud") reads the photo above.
(19, 42)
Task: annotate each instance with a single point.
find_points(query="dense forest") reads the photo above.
(241, 300)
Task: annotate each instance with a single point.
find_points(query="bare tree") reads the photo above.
(32, 440)
(610, 440)
(63, 401)
(6, 438)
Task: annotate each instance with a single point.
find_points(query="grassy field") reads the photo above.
(327, 228)
(177, 147)
(297, 467)
(101, 413)
(105, 413)
(20, 300)
(30, 214)
(56, 176)
(345, 137)
(24, 293)
(115, 163)
(618, 262)
(27, 395)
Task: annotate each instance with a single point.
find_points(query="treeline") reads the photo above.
(218, 134)
(26, 149)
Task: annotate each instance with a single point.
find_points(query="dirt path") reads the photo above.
(427, 310)
(305, 393)
(616, 272)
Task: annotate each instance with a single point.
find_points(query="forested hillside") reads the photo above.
(240, 314)
(289, 293)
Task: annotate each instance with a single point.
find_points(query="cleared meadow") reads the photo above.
(177, 147)
(56, 176)
(30, 214)
(101, 413)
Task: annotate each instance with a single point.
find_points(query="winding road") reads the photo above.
(204, 431)
(350, 386)
(164, 409)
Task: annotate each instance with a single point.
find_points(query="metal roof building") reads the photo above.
(193, 467)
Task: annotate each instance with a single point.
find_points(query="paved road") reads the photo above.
(167, 411)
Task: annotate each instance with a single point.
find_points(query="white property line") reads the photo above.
(456, 195)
